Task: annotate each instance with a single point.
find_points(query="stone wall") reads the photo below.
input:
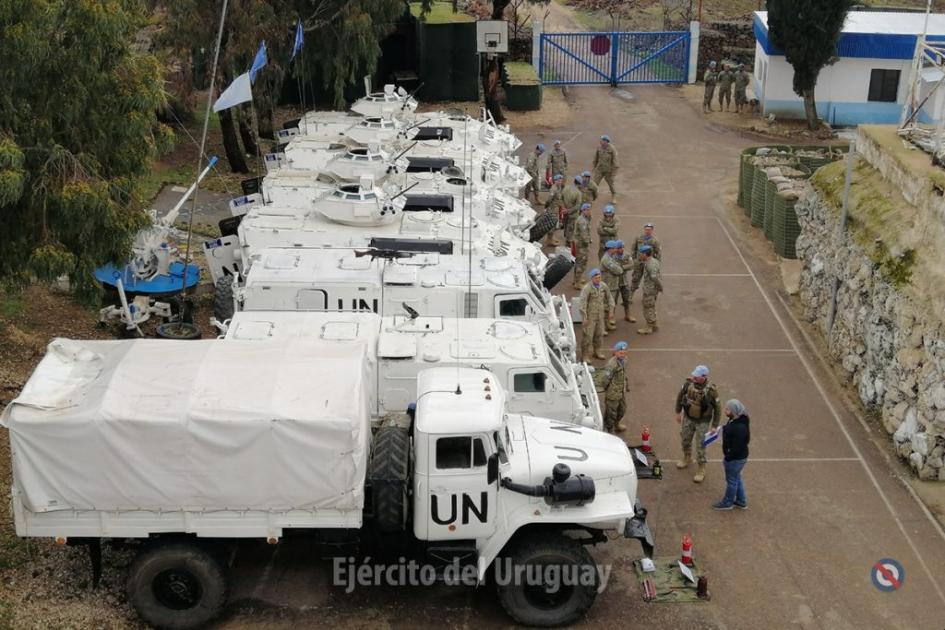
(726, 41)
(888, 337)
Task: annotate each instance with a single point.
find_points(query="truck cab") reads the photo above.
(429, 283)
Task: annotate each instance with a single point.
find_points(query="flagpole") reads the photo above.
(259, 167)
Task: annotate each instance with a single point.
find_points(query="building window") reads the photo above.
(884, 85)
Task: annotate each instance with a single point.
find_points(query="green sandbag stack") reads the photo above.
(759, 182)
(746, 172)
(767, 222)
(785, 228)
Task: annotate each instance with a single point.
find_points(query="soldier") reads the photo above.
(555, 204)
(531, 167)
(596, 305)
(571, 197)
(588, 187)
(697, 408)
(652, 287)
(742, 80)
(646, 238)
(726, 77)
(612, 380)
(709, 78)
(605, 164)
(582, 243)
(558, 160)
(607, 229)
(615, 277)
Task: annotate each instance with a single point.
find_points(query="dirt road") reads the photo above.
(824, 504)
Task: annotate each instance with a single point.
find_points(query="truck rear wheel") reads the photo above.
(177, 586)
(389, 472)
(558, 268)
(223, 298)
(547, 581)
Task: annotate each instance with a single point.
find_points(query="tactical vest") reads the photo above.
(695, 401)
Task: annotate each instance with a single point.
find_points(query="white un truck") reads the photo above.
(191, 450)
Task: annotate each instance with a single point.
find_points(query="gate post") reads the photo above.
(537, 30)
(694, 29)
(614, 48)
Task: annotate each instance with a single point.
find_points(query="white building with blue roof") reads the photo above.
(871, 78)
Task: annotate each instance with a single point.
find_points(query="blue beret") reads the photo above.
(586, 174)
(585, 206)
(645, 249)
(609, 209)
(540, 147)
(593, 272)
(620, 345)
(612, 244)
(605, 137)
(558, 177)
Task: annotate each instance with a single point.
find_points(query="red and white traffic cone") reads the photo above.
(645, 447)
(687, 550)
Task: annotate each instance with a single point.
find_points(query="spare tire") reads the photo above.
(178, 331)
(544, 223)
(389, 473)
(223, 307)
(558, 267)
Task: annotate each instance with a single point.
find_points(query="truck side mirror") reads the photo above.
(492, 468)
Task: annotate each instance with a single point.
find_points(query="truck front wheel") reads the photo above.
(547, 581)
(177, 586)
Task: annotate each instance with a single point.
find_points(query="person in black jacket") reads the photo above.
(735, 437)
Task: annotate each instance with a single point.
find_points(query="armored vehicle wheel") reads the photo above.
(389, 472)
(181, 331)
(527, 594)
(544, 223)
(558, 267)
(223, 299)
(177, 586)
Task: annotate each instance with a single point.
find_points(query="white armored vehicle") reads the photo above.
(243, 441)
(540, 379)
(351, 280)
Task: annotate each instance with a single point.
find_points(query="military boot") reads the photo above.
(685, 461)
(649, 330)
(611, 323)
(621, 427)
(599, 354)
(627, 317)
(699, 477)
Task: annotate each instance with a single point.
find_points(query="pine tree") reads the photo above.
(808, 32)
(77, 128)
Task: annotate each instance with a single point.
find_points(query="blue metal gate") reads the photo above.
(612, 58)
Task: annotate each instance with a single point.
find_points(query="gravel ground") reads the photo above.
(43, 585)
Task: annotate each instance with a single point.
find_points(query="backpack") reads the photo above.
(696, 400)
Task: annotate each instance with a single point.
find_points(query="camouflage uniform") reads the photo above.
(605, 166)
(571, 198)
(596, 305)
(742, 79)
(531, 167)
(588, 192)
(637, 274)
(725, 88)
(705, 411)
(554, 204)
(558, 162)
(710, 78)
(607, 231)
(612, 379)
(583, 241)
(614, 276)
(652, 287)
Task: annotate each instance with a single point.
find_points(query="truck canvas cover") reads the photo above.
(196, 426)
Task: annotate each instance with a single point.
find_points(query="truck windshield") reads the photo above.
(536, 290)
(557, 361)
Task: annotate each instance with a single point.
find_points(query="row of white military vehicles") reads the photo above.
(392, 371)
